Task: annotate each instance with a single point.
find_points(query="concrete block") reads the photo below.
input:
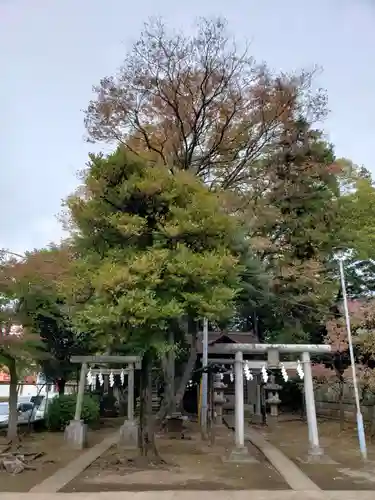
(129, 435)
(76, 434)
(241, 455)
(272, 421)
(316, 456)
(256, 419)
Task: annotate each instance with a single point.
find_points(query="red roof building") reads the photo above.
(5, 379)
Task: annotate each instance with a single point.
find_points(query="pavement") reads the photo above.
(292, 475)
(197, 495)
(66, 474)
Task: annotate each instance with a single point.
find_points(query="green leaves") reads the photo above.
(357, 218)
(31, 292)
(292, 219)
(160, 247)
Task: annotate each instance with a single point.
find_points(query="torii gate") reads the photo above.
(273, 361)
(76, 431)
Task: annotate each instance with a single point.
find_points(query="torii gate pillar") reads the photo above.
(272, 351)
(76, 431)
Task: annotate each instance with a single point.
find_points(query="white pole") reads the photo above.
(239, 403)
(360, 427)
(204, 376)
(312, 424)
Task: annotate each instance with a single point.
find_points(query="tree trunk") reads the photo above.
(61, 386)
(372, 424)
(211, 406)
(303, 407)
(150, 434)
(179, 396)
(149, 420)
(12, 433)
(340, 379)
(168, 396)
(173, 400)
(341, 403)
(142, 406)
(171, 374)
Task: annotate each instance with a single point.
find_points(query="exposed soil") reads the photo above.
(193, 464)
(348, 473)
(189, 464)
(55, 454)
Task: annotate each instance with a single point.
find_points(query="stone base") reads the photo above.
(272, 420)
(316, 456)
(129, 435)
(256, 419)
(241, 455)
(76, 434)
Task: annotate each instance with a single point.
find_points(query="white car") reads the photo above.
(30, 409)
(24, 413)
(40, 410)
(4, 414)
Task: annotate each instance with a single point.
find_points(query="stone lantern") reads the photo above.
(273, 399)
(219, 398)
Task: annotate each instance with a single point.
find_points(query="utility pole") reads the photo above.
(360, 427)
(204, 407)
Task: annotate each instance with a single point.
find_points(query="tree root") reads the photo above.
(17, 462)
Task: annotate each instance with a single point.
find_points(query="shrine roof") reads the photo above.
(225, 337)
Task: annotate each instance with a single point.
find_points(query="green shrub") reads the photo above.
(61, 410)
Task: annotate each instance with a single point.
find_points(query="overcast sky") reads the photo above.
(52, 51)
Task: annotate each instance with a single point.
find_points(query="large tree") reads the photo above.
(355, 216)
(292, 219)
(35, 282)
(199, 103)
(132, 221)
(155, 249)
(357, 210)
(19, 347)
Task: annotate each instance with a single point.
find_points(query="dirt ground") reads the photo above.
(190, 464)
(55, 455)
(348, 473)
(194, 464)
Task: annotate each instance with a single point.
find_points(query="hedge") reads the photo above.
(61, 411)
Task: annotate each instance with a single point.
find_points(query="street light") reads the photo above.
(360, 427)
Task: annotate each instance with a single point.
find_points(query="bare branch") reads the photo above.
(199, 103)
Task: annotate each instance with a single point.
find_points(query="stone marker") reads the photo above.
(76, 434)
(129, 435)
